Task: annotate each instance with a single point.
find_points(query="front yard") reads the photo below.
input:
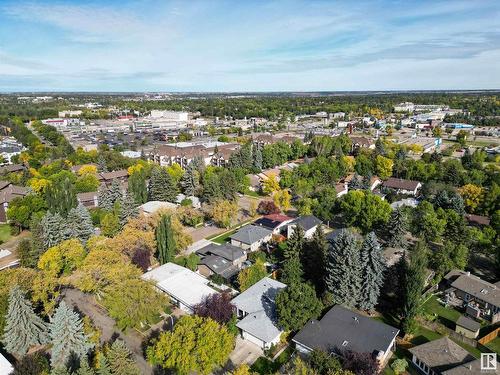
(4, 233)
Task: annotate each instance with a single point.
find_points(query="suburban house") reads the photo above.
(467, 327)
(274, 222)
(342, 329)
(256, 309)
(481, 298)
(361, 142)
(107, 178)
(223, 260)
(149, 208)
(471, 368)
(401, 186)
(440, 356)
(11, 168)
(8, 192)
(309, 223)
(251, 237)
(89, 200)
(185, 288)
(341, 189)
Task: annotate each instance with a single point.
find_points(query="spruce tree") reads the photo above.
(165, 241)
(161, 186)
(23, 328)
(128, 209)
(292, 271)
(257, 158)
(109, 195)
(343, 270)
(37, 244)
(103, 366)
(101, 164)
(374, 266)
(60, 370)
(396, 229)
(54, 230)
(120, 359)
(414, 286)
(190, 181)
(295, 243)
(314, 259)
(137, 187)
(67, 336)
(80, 223)
(85, 369)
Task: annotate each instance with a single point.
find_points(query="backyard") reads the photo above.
(4, 233)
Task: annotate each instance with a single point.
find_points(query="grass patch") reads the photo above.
(224, 237)
(445, 315)
(253, 194)
(494, 345)
(265, 366)
(423, 335)
(5, 233)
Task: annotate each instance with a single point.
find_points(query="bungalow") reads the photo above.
(185, 287)
(440, 356)
(108, 177)
(401, 186)
(224, 260)
(361, 142)
(8, 192)
(471, 368)
(149, 208)
(89, 200)
(482, 299)
(342, 329)
(274, 222)
(11, 168)
(251, 237)
(256, 309)
(309, 223)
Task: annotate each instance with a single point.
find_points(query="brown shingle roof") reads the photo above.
(441, 354)
(399, 183)
(85, 197)
(9, 192)
(115, 174)
(11, 168)
(477, 219)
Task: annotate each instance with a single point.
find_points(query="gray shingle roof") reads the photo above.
(258, 302)
(225, 251)
(342, 329)
(468, 323)
(478, 288)
(471, 368)
(441, 354)
(220, 266)
(250, 234)
(306, 222)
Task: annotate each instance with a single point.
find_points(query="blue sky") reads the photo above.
(245, 45)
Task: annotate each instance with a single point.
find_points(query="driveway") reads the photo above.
(11, 246)
(244, 352)
(86, 305)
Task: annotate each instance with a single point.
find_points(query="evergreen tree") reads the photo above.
(128, 209)
(343, 270)
(292, 271)
(356, 182)
(109, 195)
(295, 244)
(85, 369)
(23, 328)
(414, 286)
(314, 259)
(61, 197)
(257, 158)
(296, 305)
(137, 187)
(103, 366)
(374, 266)
(165, 241)
(54, 230)
(67, 336)
(120, 359)
(101, 164)
(161, 186)
(80, 223)
(60, 370)
(37, 236)
(190, 181)
(396, 229)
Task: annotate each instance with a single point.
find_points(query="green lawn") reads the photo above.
(445, 315)
(494, 345)
(4, 233)
(224, 237)
(265, 366)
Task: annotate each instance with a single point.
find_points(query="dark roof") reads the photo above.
(468, 323)
(306, 222)
(477, 219)
(478, 288)
(8, 192)
(250, 234)
(342, 329)
(220, 266)
(441, 354)
(11, 168)
(399, 183)
(225, 251)
(471, 368)
(115, 174)
(272, 221)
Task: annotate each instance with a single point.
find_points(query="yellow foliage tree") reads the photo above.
(384, 167)
(472, 195)
(223, 212)
(38, 185)
(62, 258)
(282, 199)
(176, 172)
(87, 169)
(270, 184)
(350, 161)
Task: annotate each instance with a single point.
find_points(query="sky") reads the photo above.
(247, 45)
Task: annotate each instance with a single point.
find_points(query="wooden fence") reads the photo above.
(489, 337)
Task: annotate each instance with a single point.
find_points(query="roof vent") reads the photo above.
(345, 343)
(356, 319)
(484, 291)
